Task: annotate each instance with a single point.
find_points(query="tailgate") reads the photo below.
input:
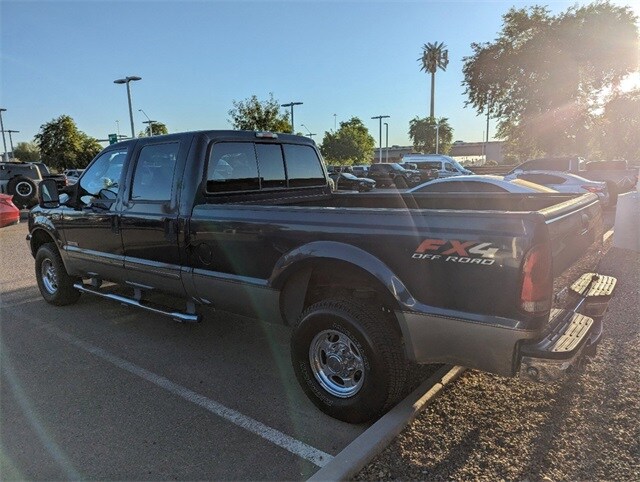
(573, 227)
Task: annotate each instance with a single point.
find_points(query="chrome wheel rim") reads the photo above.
(336, 363)
(49, 276)
(24, 189)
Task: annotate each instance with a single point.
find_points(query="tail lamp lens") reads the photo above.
(537, 280)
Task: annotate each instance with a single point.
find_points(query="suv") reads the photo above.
(393, 174)
(21, 180)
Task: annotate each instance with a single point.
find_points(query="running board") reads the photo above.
(178, 316)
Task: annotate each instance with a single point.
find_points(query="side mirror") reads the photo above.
(48, 196)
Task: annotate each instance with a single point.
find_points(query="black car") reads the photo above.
(394, 174)
(347, 181)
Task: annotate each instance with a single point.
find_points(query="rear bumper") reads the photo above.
(574, 334)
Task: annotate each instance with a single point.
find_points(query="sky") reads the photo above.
(348, 58)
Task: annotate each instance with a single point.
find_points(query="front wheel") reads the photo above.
(348, 360)
(56, 286)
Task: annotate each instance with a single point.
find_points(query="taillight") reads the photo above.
(537, 280)
(593, 189)
(6, 200)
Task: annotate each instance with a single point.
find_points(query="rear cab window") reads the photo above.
(255, 166)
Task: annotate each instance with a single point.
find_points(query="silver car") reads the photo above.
(477, 183)
(564, 182)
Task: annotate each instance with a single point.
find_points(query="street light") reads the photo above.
(437, 128)
(4, 141)
(308, 130)
(148, 121)
(291, 104)
(11, 140)
(380, 117)
(126, 80)
(386, 144)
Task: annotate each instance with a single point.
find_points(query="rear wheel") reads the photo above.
(56, 286)
(348, 360)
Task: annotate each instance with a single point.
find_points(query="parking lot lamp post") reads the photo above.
(127, 80)
(4, 141)
(10, 139)
(386, 143)
(148, 121)
(437, 128)
(291, 104)
(309, 131)
(380, 117)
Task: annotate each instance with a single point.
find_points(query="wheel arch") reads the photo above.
(40, 236)
(303, 272)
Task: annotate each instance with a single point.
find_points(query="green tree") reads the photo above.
(620, 127)
(254, 115)
(26, 152)
(434, 56)
(350, 144)
(63, 145)
(159, 129)
(544, 77)
(423, 135)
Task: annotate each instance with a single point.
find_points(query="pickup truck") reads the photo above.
(368, 283)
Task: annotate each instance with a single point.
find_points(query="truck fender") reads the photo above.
(44, 232)
(298, 264)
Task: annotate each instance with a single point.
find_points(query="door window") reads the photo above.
(103, 178)
(153, 177)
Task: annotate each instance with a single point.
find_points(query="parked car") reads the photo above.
(393, 174)
(345, 180)
(360, 171)
(9, 212)
(430, 164)
(478, 183)
(565, 182)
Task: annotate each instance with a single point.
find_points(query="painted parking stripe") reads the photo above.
(313, 455)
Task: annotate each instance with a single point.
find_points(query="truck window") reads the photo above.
(153, 176)
(232, 167)
(303, 166)
(271, 165)
(105, 173)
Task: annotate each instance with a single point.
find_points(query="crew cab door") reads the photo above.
(149, 217)
(91, 229)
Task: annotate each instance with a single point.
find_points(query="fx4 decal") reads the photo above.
(451, 250)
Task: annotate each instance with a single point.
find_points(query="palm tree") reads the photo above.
(434, 56)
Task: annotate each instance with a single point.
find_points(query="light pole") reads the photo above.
(291, 104)
(437, 128)
(148, 121)
(118, 128)
(380, 117)
(308, 130)
(386, 143)
(4, 141)
(334, 122)
(10, 139)
(127, 80)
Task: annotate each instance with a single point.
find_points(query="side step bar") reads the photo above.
(179, 316)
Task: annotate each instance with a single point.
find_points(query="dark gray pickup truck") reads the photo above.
(368, 283)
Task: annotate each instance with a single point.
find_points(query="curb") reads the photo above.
(376, 438)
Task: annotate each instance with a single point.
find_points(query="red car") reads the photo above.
(9, 213)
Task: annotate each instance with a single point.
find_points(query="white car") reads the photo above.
(480, 183)
(564, 182)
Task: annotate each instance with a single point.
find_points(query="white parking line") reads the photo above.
(313, 455)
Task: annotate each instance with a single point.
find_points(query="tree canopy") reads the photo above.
(620, 127)
(159, 129)
(350, 144)
(26, 152)
(423, 135)
(254, 115)
(545, 78)
(64, 146)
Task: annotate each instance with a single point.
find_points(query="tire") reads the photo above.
(400, 182)
(24, 191)
(56, 286)
(334, 335)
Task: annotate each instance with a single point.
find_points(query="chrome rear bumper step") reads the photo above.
(180, 316)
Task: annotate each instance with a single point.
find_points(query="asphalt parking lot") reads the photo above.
(101, 391)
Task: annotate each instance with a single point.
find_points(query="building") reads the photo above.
(468, 153)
